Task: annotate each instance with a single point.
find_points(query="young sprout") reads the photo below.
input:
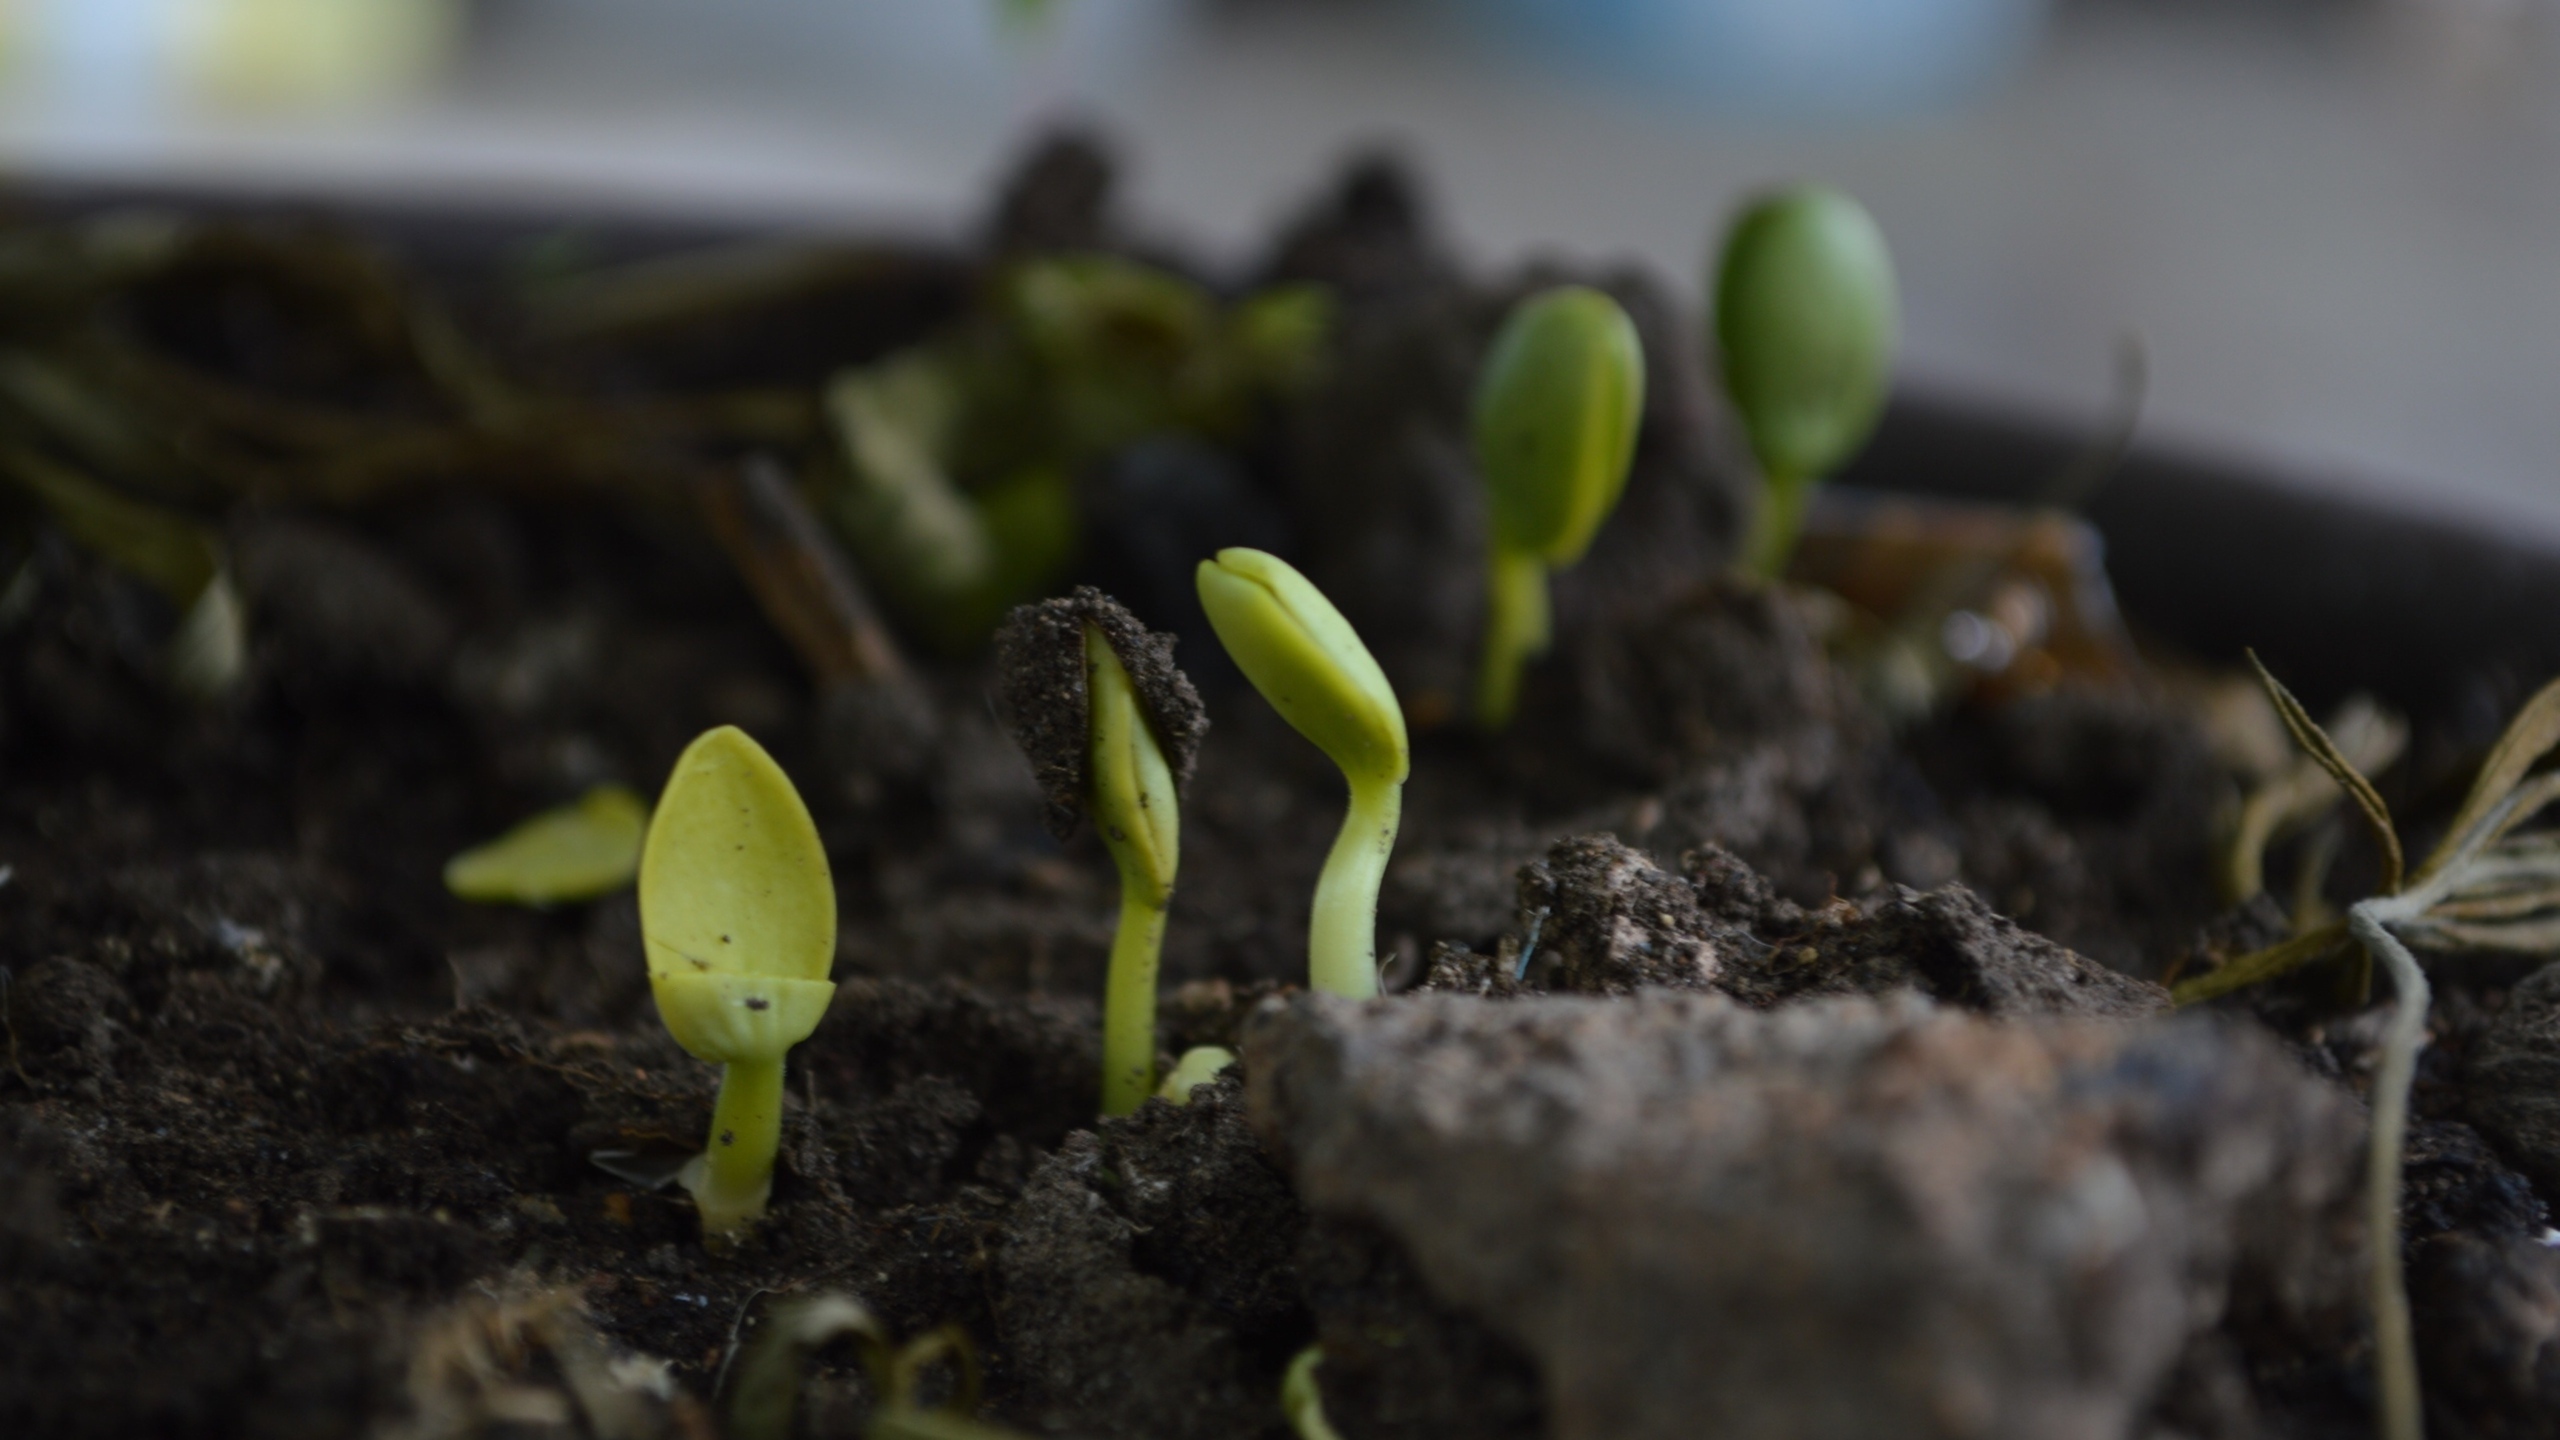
(1111, 726)
(1805, 318)
(1198, 1066)
(1302, 1401)
(738, 914)
(1555, 426)
(569, 853)
(1305, 659)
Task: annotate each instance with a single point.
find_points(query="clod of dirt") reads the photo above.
(1146, 1284)
(2490, 1350)
(1608, 921)
(1597, 917)
(1843, 1217)
(1059, 198)
(1722, 669)
(2512, 1084)
(1951, 945)
(1040, 692)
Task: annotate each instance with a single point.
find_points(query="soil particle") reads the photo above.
(1041, 694)
(1841, 1217)
(2512, 1081)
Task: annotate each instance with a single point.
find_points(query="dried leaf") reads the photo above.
(2528, 738)
(2316, 742)
(2262, 965)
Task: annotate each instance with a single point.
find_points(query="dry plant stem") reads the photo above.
(806, 586)
(2395, 1354)
(1516, 630)
(1129, 1002)
(732, 1178)
(1342, 934)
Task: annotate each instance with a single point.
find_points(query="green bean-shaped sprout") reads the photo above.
(738, 915)
(1111, 726)
(1805, 317)
(1556, 409)
(1307, 661)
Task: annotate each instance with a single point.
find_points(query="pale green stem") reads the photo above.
(1342, 934)
(1129, 1004)
(1516, 628)
(2394, 1351)
(1775, 525)
(733, 1176)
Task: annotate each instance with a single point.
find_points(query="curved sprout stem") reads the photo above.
(2395, 1355)
(1342, 934)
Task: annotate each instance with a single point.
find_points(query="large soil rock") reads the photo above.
(1841, 1218)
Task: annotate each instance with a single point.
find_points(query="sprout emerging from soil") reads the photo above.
(1111, 726)
(1805, 319)
(1301, 1401)
(1198, 1066)
(1556, 409)
(2486, 887)
(573, 852)
(738, 914)
(1309, 663)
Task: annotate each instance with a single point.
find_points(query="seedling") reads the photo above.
(1805, 318)
(738, 914)
(1198, 1066)
(2485, 887)
(573, 852)
(1556, 408)
(1309, 663)
(1302, 1401)
(1111, 726)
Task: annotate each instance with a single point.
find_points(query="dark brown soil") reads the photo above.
(272, 1098)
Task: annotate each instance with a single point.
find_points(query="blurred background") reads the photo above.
(2334, 223)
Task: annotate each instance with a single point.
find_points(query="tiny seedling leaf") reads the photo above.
(733, 878)
(1307, 661)
(2316, 743)
(1557, 404)
(570, 853)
